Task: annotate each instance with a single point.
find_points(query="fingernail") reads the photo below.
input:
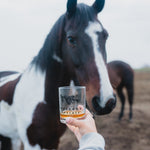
(68, 119)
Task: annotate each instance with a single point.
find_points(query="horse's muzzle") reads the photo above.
(98, 110)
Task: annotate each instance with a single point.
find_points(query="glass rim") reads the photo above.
(70, 87)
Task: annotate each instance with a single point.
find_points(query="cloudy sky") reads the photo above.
(24, 25)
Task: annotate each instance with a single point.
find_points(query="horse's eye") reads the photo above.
(71, 40)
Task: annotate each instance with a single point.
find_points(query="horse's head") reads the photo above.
(84, 56)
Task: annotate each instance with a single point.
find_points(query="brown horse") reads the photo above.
(74, 50)
(122, 76)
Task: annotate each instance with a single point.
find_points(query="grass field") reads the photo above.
(123, 135)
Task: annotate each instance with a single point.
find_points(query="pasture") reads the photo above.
(123, 135)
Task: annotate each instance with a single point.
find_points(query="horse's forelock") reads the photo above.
(80, 18)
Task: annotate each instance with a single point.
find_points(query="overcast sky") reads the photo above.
(24, 25)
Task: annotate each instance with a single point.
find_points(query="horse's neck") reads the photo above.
(49, 79)
(56, 76)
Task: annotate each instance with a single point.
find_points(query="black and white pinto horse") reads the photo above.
(122, 76)
(74, 50)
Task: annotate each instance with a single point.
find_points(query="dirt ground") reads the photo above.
(123, 135)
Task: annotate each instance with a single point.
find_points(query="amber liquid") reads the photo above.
(72, 113)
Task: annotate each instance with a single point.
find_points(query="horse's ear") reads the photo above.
(71, 7)
(98, 5)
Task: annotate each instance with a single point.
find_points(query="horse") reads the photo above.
(122, 76)
(73, 51)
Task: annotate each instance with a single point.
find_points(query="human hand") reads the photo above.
(81, 126)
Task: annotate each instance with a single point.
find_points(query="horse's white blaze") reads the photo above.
(8, 78)
(57, 58)
(28, 94)
(106, 90)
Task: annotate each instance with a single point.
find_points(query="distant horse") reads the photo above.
(122, 76)
(74, 50)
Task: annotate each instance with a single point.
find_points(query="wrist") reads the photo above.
(92, 139)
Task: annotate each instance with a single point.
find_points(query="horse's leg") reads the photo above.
(25, 141)
(122, 99)
(16, 144)
(5, 143)
(27, 146)
(130, 98)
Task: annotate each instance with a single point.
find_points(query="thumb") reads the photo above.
(73, 122)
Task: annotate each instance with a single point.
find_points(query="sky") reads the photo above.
(24, 25)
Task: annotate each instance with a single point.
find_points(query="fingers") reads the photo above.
(72, 128)
(77, 122)
(80, 107)
(81, 126)
(73, 122)
(87, 111)
(75, 130)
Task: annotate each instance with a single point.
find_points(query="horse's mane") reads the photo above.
(52, 44)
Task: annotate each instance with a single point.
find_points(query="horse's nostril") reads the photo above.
(99, 110)
(114, 96)
(95, 102)
(96, 98)
(111, 103)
